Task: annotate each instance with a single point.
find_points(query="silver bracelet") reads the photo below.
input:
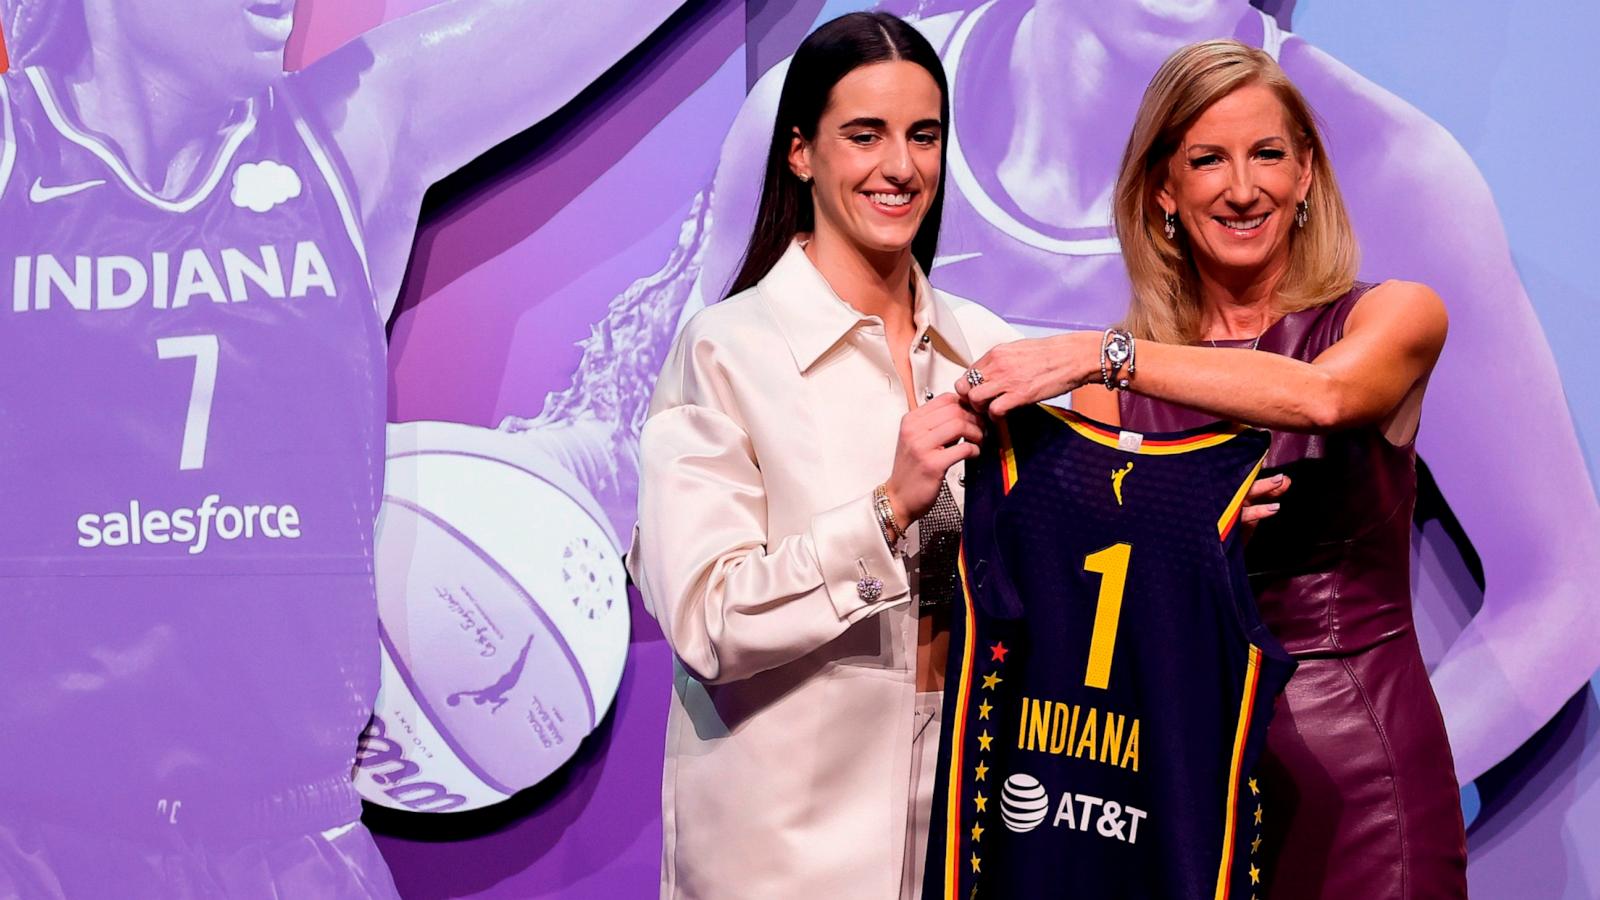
(1105, 365)
(1117, 349)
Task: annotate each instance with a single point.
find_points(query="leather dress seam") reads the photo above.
(1394, 775)
(1332, 617)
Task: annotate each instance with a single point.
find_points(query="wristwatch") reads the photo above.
(1115, 352)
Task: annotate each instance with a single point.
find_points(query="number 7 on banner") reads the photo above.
(203, 347)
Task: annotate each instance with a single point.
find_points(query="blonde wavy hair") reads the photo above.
(1323, 255)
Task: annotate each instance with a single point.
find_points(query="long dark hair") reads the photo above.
(825, 57)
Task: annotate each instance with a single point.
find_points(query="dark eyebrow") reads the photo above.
(881, 125)
(865, 122)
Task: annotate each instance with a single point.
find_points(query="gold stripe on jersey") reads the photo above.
(1230, 515)
(952, 818)
(1252, 679)
(1008, 459)
(1108, 437)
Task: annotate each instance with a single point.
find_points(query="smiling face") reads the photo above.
(1235, 181)
(874, 162)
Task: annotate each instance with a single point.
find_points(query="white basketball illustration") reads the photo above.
(503, 614)
(1024, 803)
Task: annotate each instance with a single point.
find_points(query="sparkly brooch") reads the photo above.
(868, 588)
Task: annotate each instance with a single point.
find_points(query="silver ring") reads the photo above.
(974, 377)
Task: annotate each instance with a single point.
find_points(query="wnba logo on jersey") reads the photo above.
(229, 275)
(1117, 475)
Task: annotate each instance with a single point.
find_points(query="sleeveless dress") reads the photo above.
(1359, 785)
(191, 431)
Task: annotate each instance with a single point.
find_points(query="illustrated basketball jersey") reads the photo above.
(1109, 679)
(191, 436)
(1031, 272)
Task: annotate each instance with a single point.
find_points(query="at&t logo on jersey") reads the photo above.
(1025, 804)
(194, 526)
(169, 280)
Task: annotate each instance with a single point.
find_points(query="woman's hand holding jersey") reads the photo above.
(1017, 373)
(1020, 372)
(933, 437)
(1262, 499)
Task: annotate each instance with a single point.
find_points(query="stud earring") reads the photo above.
(1170, 226)
(805, 179)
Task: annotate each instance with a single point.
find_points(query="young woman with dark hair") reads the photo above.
(798, 511)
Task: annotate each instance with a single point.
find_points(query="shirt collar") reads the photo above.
(813, 318)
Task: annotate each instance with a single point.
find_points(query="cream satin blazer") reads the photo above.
(789, 740)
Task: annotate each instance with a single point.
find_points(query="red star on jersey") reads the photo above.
(998, 652)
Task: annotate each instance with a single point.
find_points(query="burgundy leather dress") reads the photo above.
(1358, 786)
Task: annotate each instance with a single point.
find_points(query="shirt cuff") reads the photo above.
(845, 539)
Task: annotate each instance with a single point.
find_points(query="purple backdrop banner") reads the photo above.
(533, 198)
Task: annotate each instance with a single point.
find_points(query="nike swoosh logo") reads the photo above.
(41, 194)
(953, 258)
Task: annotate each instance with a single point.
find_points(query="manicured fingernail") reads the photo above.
(1272, 507)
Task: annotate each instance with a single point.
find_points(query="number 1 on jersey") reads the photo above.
(203, 347)
(1111, 564)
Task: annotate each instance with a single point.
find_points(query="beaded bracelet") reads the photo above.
(887, 523)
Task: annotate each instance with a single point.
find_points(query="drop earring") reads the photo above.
(1170, 227)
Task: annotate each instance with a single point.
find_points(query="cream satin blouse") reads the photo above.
(789, 739)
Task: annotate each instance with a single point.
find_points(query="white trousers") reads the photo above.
(924, 766)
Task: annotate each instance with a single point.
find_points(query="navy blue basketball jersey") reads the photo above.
(1110, 680)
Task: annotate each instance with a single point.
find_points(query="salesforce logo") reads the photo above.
(192, 526)
(259, 186)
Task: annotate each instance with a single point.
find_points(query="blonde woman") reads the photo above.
(1245, 308)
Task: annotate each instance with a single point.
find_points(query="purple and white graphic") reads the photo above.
(504, 633)
(199, 258)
